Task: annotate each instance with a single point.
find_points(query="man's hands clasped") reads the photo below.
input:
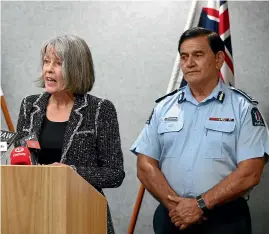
(186, 212)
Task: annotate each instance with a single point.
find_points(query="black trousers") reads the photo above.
(231, 218)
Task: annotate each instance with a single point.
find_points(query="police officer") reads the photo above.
(203, 147)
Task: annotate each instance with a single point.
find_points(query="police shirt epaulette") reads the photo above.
(169, 94)
(251, 99)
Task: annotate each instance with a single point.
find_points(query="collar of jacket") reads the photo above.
(76, 117)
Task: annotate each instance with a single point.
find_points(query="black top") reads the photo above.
(51, 141)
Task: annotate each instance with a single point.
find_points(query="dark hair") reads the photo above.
(215, 42)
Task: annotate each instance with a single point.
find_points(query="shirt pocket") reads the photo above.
(219, 137)
(169, 133)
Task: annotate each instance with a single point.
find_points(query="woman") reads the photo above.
(73, 127)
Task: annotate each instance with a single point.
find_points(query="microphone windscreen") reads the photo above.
(20, 156)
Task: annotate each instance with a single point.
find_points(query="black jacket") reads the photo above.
(91, 142)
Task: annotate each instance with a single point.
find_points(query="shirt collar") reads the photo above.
(217, 94)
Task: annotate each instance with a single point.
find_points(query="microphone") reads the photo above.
(7, 140)
(31, 143)
(20, 156)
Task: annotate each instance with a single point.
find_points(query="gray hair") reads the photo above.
(77, 63)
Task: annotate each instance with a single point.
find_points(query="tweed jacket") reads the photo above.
(91, 142)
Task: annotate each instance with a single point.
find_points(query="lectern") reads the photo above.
(50, 200)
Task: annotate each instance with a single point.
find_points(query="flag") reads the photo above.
(215, 16)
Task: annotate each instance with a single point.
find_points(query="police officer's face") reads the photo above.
(198, 62)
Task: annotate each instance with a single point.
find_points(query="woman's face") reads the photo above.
(52, 72)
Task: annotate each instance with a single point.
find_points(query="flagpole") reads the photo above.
(6, 112)
(136, 210)
(171, 85)
(176, 69)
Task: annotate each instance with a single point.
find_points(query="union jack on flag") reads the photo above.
(216, 18)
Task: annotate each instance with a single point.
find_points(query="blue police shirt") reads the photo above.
(199, 144)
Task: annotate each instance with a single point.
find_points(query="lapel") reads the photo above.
(75, 120)
(38, 113)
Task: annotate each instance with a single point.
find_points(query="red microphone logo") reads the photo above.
(19, 149)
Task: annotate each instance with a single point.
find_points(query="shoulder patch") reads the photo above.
(169, 94)
(248, 97)
(150, 117)
(257, 119)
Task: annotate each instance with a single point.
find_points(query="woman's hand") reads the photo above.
(54, 164)
(63, 165)
(59, 164)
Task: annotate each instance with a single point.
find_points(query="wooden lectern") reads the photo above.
(50, 200)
